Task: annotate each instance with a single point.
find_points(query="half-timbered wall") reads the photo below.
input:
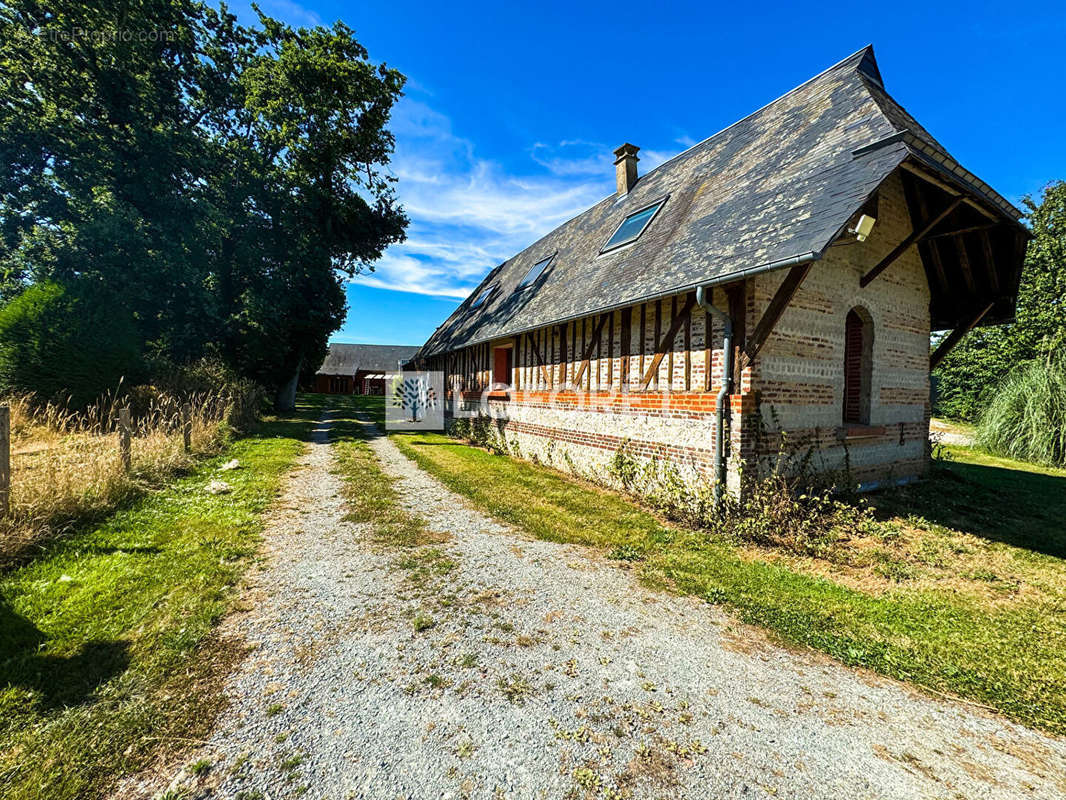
(646, 376)
(799, 373)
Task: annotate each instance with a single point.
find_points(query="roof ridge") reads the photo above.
(861, 51)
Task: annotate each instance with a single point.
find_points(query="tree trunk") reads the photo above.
(286, 396)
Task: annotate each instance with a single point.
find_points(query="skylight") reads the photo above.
(481, 298)
(535, 272)
(633, 226)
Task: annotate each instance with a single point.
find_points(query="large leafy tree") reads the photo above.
(986, 356)
(215, 181)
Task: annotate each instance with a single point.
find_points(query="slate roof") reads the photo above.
(779, 184)
(347, 359)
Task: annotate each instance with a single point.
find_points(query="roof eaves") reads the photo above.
(731, 277)
(952, 170)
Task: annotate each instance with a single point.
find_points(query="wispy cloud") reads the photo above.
(469, 213)
(290, 11)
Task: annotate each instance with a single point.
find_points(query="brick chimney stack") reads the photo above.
(625, 167)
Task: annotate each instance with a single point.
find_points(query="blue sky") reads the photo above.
(511, 111)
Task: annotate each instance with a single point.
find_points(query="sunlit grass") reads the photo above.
(107, 653)
(908, 613)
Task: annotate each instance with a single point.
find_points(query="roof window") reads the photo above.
(535, 271)
(633, 226)
(481, 298)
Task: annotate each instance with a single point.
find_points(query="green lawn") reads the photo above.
(107, 651)
(962, 589)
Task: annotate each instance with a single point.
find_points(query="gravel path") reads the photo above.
(541, 671)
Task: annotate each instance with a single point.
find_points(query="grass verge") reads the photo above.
(108, 656)
(922, 622)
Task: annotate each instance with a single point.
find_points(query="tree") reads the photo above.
(61, 343)
(315, 138)
(217, 180)
(970, 373)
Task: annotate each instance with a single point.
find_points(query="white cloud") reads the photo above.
(468, 213)
(291, 12)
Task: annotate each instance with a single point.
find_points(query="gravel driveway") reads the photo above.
(526, 669)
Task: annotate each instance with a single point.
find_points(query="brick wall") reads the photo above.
(583, 388)
(801, 368)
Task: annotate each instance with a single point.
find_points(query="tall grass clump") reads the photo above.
(1026, 418)
(65, 463)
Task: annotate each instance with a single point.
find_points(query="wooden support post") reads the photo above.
(990, 261)
(953, 338)
(667, 340)
(124, 438)
(590, 345)
(964, 264)
(186, 426)
(5, 460)
(538, 359)
(782, 297)
(901, 248)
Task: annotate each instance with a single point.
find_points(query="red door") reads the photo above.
(501, 367)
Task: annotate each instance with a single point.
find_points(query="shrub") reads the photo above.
(1026, 418)
(66, 343)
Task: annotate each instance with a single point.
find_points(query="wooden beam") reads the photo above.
(928, 177)
(656, 338)
(901, 248)
(667, 340)
(708, 360)
(953, 338)
(688, 353)
(964, 264)
(590, 346)
(990, 260)
(782, 297)
(737, 296)
(561, 329)
(539, 359)
(959, 231)
(610, 351)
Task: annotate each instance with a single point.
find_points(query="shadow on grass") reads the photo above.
(1013, 506)
(57, 680)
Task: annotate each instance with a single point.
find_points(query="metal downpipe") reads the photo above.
(722, 402)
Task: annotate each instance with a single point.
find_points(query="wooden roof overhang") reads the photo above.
(972, 247)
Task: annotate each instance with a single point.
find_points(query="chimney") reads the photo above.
(625, 167)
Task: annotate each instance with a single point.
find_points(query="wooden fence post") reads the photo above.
(186, 426)
(5, 460)
(124, 437)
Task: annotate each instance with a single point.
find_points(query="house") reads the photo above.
(359, 368)
(777, 282)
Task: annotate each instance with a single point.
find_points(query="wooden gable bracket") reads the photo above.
(593, 340)
(947, 188)
(782, 297)
(901, 248)
(667, 340)
(539, 359)
(953, 338)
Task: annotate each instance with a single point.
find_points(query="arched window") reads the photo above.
(858, 366)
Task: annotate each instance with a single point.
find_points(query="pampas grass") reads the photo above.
(1026, 419)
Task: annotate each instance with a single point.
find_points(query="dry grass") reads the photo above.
(66, 468)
